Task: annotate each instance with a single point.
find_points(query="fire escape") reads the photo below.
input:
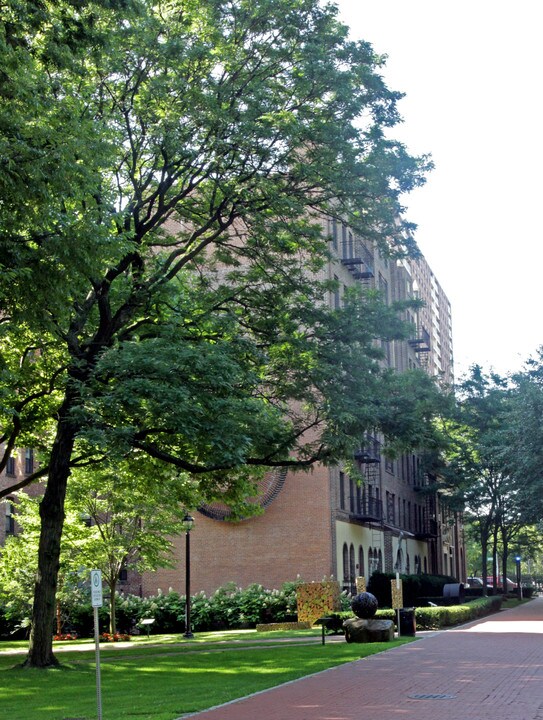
(356, 256)
(428, 529)
(421, 344)
(367, 506)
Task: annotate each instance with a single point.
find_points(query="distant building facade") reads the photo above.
(20, 464)
(322, 523)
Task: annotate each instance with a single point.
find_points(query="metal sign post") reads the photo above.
(97, 602)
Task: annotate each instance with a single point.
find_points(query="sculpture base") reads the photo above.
(367, 631)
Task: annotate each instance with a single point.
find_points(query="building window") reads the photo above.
(383, 287)
(390, 502)
(385, 347)
(342, 490)
(345, 566)
(337, 296)
(352, 569)
(351, 495)
(29, 461)
(361, 572)
(351, 253)
(10, 466)
(334, 233)
(10, 519)
(389, 466)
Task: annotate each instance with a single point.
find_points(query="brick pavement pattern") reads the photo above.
(491, 669)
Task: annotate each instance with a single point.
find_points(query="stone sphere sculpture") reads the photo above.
(364, 605)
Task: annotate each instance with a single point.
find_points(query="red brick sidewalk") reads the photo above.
(488, 670)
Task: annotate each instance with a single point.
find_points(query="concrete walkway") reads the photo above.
(491, 669)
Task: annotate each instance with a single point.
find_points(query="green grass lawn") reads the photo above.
(161, 681)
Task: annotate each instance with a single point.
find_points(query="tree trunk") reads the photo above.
(484, 550)
(495, 564)
(59, 619)
(40, 652)
(505, 555)
(112, 614)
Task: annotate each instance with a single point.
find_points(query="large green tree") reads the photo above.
(164, 169)
(479, 466)
(524, 438)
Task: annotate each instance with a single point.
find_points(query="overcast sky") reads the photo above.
(472, 72)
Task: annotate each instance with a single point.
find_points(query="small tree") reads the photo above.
(19, 562)
(132, 511)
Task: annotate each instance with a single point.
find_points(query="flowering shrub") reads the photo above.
(229, 607)
(65, 636)
(108, 637)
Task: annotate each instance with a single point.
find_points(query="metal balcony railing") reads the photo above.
(356, 256)
(421, 341)
(428, 530)
(368, 509)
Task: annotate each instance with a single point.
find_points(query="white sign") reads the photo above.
(96, 588)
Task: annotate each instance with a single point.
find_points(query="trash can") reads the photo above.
(407, 622)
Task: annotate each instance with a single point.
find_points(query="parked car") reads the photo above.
(477, 582)
(509, 583)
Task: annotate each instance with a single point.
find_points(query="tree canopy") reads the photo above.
(492, 464)
(165, 170)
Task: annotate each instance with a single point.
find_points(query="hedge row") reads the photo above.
(430, 618)
(230, 607)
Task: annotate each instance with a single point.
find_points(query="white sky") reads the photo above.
(472, 72)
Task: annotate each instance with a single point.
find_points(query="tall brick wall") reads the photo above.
(292, 537)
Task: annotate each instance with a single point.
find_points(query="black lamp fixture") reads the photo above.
(188, 524)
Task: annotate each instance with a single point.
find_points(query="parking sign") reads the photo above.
(96, 588)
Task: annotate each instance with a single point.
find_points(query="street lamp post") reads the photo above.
(188, 523)
(519, 586)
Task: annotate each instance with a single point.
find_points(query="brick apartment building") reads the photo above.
(19, 465)
(321, 523)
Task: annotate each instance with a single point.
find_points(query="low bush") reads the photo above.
(434, 618)
(12, 625)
